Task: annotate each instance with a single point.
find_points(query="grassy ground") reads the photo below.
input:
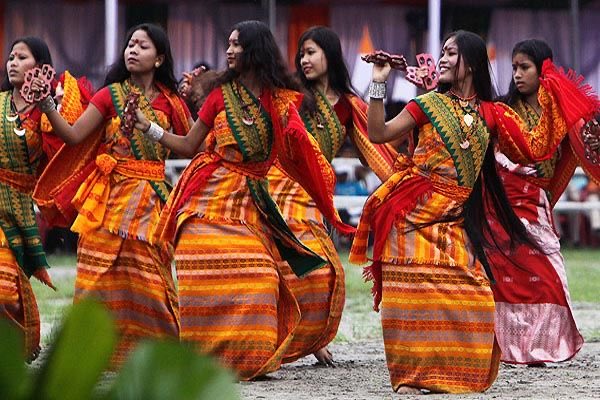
(583, 270)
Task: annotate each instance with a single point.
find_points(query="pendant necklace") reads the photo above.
(319, 118)
(247, 118)
(14, 116)
(467, 118)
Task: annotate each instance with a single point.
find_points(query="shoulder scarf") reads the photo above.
(16, 184)
(71, 166)
(545, 169)
(299, 156)
(325, 126)
(256, 144)
(379, 157)
(141, 146)
(442, 114)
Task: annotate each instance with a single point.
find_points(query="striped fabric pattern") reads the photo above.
(534, 319)
(234, 303)
(438, 324)
(437, 308)
(17, 300)
(133, 282)
(321, 293)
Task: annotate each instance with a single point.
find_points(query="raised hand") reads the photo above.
(380, 57)
(185, 87)
(37, 84)
(425, 76)
(129, 118)
(590, 135)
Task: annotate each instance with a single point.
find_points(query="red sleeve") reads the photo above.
(343, 109)
(213, 105)
(102, 100)
(415, 111)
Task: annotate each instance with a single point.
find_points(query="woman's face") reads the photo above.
(140, 54)
(313, 61)
(525, 74)
(449, 70)
(234, 51)
(20, 60)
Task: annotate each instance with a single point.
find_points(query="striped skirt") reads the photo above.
(438, 328)
(132, 280)
(234, 303)
(17, 302)
(320, 294)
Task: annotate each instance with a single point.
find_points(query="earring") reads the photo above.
(157, 64)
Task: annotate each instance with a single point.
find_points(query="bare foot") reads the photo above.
(537, 365)
(324, 357)
(408, 390)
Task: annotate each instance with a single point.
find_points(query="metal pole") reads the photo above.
(272, 15)
(110, 33)
(434, 12)
(576, 53)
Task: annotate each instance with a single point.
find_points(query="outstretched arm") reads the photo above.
(186, 146)
(379, 130)
(90, 121)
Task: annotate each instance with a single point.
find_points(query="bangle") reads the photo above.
(154, 132)
(377, 90)
(47, 105)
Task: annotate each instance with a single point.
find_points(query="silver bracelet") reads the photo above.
(47, 105)
(377, 90)
(155, 132)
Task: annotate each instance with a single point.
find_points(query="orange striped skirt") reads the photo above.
(17, 301)
(234, 304)
(320, 294)
(132, 280)
(438, 328)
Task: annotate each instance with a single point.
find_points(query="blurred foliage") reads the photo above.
(80, 353)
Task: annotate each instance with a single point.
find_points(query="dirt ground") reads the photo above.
(361, 374)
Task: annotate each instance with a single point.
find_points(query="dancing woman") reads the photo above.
(331, 112)
(227, 231)
(22, 156)
(437, 305)
(534, 321)
(115, 179)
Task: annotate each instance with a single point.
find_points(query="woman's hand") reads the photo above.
(141, 122)
(381, 72)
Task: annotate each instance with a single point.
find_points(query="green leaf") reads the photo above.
(14, 379)
(169, 370)
(79, 355)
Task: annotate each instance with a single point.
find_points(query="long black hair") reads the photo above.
(261, 55)
(337, 73)
(39, 50)
(537, 51)
(164, 73)
(488, 188)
